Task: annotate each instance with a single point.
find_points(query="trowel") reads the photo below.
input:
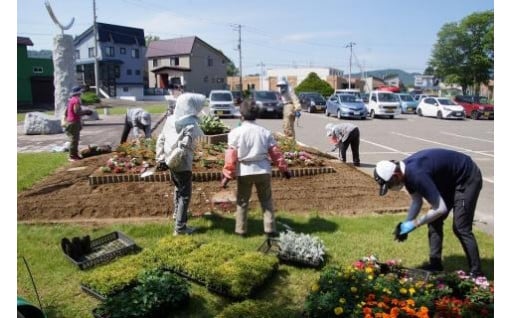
(148, 172)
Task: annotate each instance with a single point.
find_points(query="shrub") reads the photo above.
(255, 309)
(313, 83)
(212, 125)
(89, 98)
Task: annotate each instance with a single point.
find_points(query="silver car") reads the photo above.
(346, 106)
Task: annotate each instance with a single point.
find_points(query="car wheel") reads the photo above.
(474, 115)
(391, 117)
(338, 114)
(326, 112)
(439, 115)
(372, 113)
(419, 112)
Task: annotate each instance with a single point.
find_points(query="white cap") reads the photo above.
(329, 127)
(145, 119)
(282, 81)
(383, 172)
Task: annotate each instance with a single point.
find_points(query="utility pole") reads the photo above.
(240, 58)
(96, 63)
(262, 74)
(350, 64)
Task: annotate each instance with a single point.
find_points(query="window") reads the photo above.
(128, 72)
(135, 53)
(109, 51)
(117, 71)
(77, 54)
(210, 61)
(155, 62)
(126, 89)
(175, 61)
(91, 51)
(137, 72)
(122, 50)
(37, 70)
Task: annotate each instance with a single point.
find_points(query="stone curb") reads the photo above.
(196, 176)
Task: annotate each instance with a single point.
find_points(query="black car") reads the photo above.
(268, 103)
(312, 102)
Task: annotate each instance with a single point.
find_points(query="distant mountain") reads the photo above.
(405, 77)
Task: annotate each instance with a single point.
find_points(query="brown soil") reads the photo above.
(67, 195)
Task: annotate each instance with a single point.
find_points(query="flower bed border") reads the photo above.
(196, 176)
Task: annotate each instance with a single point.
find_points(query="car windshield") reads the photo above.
(406, 98)
(221, 97)
(315, 97)
(446, 101)
(265, 95)
(348, 98)
(387, 97)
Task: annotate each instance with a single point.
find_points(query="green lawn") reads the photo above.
(346, 238)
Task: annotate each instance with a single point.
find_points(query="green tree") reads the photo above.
(313, 83)
(429, 71)
(464, 52)
(231, 68)
(151, 38)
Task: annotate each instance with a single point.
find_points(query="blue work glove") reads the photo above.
(406, 227)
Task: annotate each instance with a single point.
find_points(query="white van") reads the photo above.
(381, 103)
(221, 103)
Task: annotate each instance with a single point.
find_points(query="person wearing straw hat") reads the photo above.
(447, 180)
(73, 121)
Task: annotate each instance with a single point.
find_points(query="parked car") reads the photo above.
(365, 97)
(383, 103)
(312, 102)
(268, 103)
(407, 103)
(476, 107)
(221, 104)
(351, 91)
(345, 105)
(419, 97)
(442, 108)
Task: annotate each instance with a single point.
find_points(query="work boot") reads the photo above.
(476, 274)
(435, 265)
(185, 231)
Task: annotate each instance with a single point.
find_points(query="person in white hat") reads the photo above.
(447, 180)
(136, 119)
(342, 136)
(291, 105)
(175, 149)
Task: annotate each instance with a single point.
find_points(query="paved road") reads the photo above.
(380, 139)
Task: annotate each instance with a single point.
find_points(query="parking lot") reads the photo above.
(380, 139)
(384, 139)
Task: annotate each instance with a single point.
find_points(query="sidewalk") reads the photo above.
(106, 131)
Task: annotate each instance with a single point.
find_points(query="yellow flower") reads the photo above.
(403, 291)
(342, 300)
(338, 311)
(315, 288)
(370, 277)
(369, 270)
(412, 291)
(353, 289)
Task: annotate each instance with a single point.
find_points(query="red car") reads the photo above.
(476, 107)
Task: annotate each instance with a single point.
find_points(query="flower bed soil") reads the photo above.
(67, 195)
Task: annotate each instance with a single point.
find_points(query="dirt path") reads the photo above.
(67, 195)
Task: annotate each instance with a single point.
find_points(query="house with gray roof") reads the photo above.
(187, 61)
(121, 56)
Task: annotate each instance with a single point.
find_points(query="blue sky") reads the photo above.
(387, 34)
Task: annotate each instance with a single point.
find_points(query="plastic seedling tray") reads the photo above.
(104, 249)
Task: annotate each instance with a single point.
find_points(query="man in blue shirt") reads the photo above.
(447, 180)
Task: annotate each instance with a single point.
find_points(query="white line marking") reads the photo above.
(440, 143)
(386, 147)
(460, 136)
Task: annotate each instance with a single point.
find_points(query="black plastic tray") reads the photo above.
(104, 249)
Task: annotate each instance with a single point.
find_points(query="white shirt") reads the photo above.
(252, 143)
